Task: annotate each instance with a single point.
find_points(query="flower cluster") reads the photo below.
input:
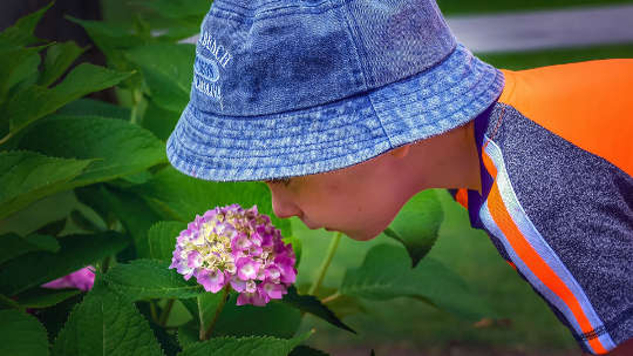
(231, 245)
(82, 279)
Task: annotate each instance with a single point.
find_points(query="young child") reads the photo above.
(347, 108)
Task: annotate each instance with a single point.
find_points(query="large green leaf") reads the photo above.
(76, 252)
(28, 176)
(37, 101)
(386, 274)
(44, 298)
(58, 59)
(181, 197)
(106, 324)
(133, 212)
(119, 147)
(162, 238)
(143, 279)
(16, 64)
(167, 76)
(91, 107)
(14, 246)
(417, 224)
(179, 9)
(245, 346)
(21, 33)
(112, 38)
(312, 305)
(160, 121)
(274, 319)
(21, 334)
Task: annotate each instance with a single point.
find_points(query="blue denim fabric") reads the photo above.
(298, 87)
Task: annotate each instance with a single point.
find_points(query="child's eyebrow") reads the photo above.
(285, 181)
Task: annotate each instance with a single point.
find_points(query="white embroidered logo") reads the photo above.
(207, 70)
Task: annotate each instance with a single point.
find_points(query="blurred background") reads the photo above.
(511, 34)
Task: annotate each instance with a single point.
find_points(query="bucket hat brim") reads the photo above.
(338, 134)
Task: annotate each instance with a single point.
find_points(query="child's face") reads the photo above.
(360, 201)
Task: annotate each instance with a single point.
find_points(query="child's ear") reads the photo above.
(400, 152)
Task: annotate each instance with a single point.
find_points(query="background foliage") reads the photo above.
(130, 204)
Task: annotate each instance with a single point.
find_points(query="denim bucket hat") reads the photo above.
(287, 88)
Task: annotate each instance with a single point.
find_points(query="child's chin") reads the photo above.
(362, 236)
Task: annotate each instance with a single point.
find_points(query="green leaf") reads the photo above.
(168, 77)
(44, 298)
(341, 305)
(55, 317)
(90, 107)
(310, 304)
(274, 319)
(386, 274)
(14, 246)
(21, 334)
(21, 33)
(188, 334)
(58, 59)
(245, 346)
(109, 36)
(106, 324)
(159, 121)
(28, 176)
(8, 303)
(204, 307)
(83, 223)
(76, 252)
(130, 209)
(16, 65)
(162, 238)
(417, 224)
(119, 148)
(36, 102)
(181, 197)
(53, 228)
(143, 279)
(178, 9)
(112, 38)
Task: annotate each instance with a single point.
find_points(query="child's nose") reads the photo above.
(283, 207)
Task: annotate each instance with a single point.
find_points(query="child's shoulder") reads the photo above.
(586, 103)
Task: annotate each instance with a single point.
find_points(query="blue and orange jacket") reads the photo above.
(556, 164)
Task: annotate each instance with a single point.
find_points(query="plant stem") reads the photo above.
(326, 263)
(218, 310)
(201, 318)
(136, 99)
(165, 313)
(331, 298)
(152, 311)
(105, 264)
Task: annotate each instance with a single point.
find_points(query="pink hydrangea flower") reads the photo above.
(238, 249)
(82, 279)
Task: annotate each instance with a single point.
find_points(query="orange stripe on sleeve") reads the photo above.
(531, 258)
